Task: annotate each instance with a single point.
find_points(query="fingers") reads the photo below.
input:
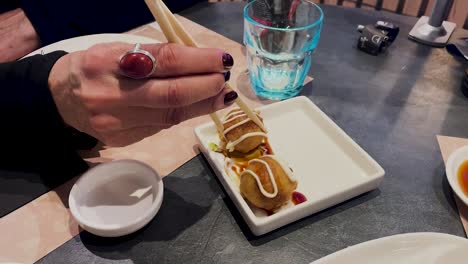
(172, 116)
(134, 117)
(175, 92)
(171, 59)
(208, 106)
(198, 74)
(176, 60)
(188, 82)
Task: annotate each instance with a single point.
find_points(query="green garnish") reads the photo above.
(214, 147)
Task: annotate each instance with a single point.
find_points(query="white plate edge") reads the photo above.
(97, 36)
(327, 258)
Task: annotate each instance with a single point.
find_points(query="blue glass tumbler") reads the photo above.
(280, 37)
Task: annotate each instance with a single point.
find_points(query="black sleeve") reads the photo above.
(8, 5)
(33, 136)
(56, 20)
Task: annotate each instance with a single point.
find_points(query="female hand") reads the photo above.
(93, 96)
(17, 34)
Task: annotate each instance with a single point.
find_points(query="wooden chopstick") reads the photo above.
(158, 9)
(178, 28)
(242, 105)
(176, 33)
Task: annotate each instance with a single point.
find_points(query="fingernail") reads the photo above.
(227, 76)
(230, 97)
(228, 61)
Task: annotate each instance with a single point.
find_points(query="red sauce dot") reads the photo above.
(298, 198)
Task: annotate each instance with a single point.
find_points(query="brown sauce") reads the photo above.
(268, 212)
(462, 176)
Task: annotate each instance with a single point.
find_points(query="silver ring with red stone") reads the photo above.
(137, 63)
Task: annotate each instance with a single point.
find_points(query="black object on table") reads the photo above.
(393, 105)
(377, 38)
(459, 48)
(464, 87)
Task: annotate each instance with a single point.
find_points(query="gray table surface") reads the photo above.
(393, 105)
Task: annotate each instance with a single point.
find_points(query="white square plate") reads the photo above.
(329, 166)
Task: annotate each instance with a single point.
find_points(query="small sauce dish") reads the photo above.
(116, 198)
(456, 170)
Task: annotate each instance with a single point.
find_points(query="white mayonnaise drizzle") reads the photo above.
(283, 166)
(232, 116)
(259, 183)
(235, 125)
(231, 144)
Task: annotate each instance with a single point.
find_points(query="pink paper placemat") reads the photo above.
(447, 146)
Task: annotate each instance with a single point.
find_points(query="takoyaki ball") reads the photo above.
(248, 144)
(250, 190)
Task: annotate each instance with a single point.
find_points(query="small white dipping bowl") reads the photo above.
(116, 198)
(451, 169)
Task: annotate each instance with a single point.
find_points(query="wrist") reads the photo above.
(63, 80)
(59, 83)
(64, 83)
(57, 76)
